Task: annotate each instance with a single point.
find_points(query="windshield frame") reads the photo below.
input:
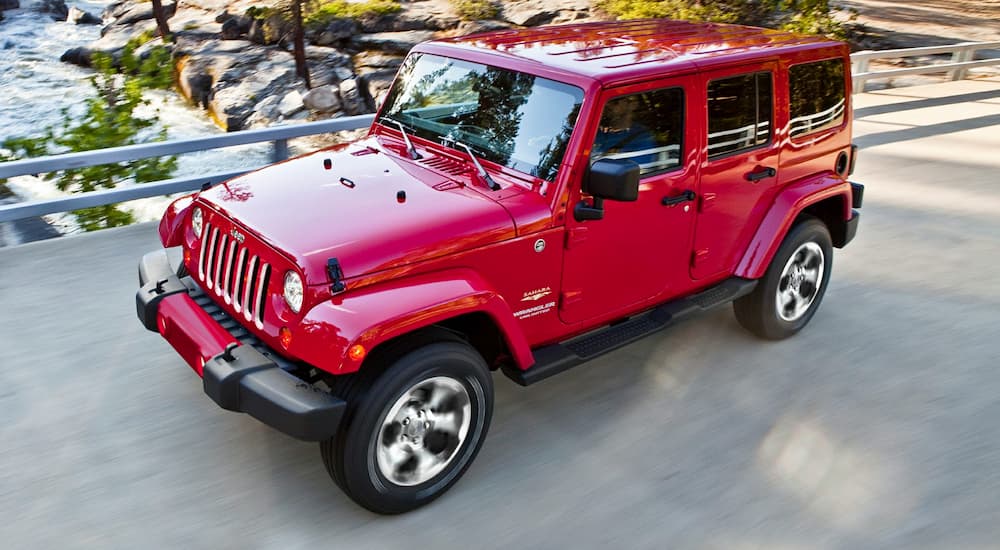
(530, 174)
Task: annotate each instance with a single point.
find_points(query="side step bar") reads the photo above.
(555, 358)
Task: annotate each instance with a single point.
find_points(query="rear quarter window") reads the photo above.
(739, 113)
(817, 97)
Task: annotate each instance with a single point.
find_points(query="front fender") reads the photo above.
(786, 207)
(381, 312)
(172, 224)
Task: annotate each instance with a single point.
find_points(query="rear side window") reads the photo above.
(739, 113)
(817, 96)
(646, 128)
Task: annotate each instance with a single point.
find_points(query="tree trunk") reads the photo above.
(301, 67)
(161, 20)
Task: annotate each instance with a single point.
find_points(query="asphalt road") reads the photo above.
(876, 427)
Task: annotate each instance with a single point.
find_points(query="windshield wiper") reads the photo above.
(410, 149)
(494, 186)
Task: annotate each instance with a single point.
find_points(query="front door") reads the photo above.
(739, 175)
(638, 253)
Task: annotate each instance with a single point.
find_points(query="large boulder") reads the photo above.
(378, 60)
(236, 26)
(354, 97)
(231, 78)
(9, 4)
(327, 66)
(392, 42)
(127, 14)
(475, 27)
(290, 104)
(80, 17)
(530, 13)
(77, 56)
(55, 7)
(274, 29)
(335, 32)
(325, 99)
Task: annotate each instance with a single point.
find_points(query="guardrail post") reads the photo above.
(860, 66)
(279, 151)
(961, 56)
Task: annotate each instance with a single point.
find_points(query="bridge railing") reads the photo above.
(278, 136)
(962, 60)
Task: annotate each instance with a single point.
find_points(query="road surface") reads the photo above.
(876, 427)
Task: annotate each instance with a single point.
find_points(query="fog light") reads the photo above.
(285, 336)
(356, 352)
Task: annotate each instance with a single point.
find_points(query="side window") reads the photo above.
(817, 96)
(739, 113)
(647, 128)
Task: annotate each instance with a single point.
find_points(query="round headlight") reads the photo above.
(196, 221)
(293, 291)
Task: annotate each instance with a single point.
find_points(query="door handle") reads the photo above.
(761, 173)
(683, 197)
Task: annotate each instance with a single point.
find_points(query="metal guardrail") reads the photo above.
(962, 60)
(278, 136)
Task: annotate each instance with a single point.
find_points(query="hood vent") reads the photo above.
(446, 165)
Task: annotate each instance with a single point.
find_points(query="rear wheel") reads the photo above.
(791, 290)
(412, 431)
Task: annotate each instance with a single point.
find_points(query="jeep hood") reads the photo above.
(370, 210)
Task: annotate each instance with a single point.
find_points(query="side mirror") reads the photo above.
(611, 179)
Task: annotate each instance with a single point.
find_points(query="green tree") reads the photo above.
(109, 120)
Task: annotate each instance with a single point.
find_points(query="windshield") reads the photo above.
(514, 119)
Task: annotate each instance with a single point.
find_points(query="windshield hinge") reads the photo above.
(336, 275)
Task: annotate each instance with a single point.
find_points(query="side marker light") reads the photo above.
(356, 352)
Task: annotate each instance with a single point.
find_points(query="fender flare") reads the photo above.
(381, 312)
(787, 206)
(172, 224)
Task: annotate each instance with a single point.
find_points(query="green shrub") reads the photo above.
(321, 12)
(810, 16)
(474, 10)
(108, 121)
(669, 9)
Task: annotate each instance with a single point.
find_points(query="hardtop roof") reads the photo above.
(620, 50)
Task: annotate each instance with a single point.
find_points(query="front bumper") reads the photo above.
(240, 376)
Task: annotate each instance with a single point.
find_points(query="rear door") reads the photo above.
(739, 173)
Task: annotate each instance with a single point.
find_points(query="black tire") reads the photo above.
(352, 458)
(760, 312)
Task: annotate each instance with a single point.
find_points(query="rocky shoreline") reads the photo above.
(241, 71)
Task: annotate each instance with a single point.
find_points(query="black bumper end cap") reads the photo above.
(253, 384)
(157, 280)
(851, 227)
(857, 194)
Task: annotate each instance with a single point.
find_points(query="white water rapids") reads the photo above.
(35, 87)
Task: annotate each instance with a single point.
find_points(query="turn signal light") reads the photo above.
(285, 336)
(356, 352)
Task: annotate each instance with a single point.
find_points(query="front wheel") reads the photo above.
(413, 430)
(791, 290)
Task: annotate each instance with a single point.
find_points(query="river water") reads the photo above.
(35, 87)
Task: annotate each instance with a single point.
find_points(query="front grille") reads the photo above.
(234, 273)
(232, 326)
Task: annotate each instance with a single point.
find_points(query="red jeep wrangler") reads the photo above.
(525, 200)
